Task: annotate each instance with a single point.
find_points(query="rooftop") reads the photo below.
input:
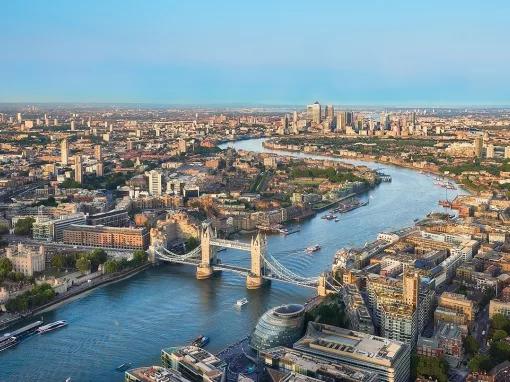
(313, 363)
(332, 341)
(156, 374)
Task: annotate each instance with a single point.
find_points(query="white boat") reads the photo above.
(7, 342)
(242, 302)
(313, 248)
(50, 327)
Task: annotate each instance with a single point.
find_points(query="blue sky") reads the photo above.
(260, 52)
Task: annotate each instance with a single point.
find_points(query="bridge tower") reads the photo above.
(204, 269)
(322, 288)
(254, 280)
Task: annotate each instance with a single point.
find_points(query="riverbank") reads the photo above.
(74, 293)
(269, 144)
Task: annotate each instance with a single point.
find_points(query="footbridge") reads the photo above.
(263, 266)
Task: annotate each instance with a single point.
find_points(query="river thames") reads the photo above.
(132, 320)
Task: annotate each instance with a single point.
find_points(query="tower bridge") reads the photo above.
(262, 266)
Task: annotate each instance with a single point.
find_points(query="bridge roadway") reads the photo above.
(231, 244)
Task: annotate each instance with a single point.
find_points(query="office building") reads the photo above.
(329, 112)
(64, 152)
(340, 121)
(314, 112)
(113, 218)
(26, 259)
(153, 374)
(349, 118)
(78, 169)
(53, 230)
(389, 359)
(107, 237)
(399, 322)
(291, 360)
(155, 183)
(194, 363)
(72, 125)
(280, 326)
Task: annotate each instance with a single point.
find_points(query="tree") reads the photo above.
(437, 368)
(499, 335)
(24, 226)
(139, 257)
(38, 295)
(480, 362)
(500, 351)
(111, 266)
(58, 261)
(471, 345)
(97, 257)
(70, 183)
(83, 264)
(5, 265)
(499, 321)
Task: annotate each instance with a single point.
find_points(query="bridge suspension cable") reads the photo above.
(283, 273)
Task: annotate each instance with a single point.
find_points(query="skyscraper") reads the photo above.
(349, 118)
(72, 125)
(330, 112)
(155, 181)
(64, 152)
(314, 112)
(78, 170)
(340, 121)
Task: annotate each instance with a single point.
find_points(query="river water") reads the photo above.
(132, 320)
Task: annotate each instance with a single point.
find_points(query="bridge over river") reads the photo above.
(263, 266)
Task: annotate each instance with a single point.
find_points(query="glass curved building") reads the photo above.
(280, 326)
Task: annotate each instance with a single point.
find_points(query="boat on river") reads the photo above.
(51, 326)
(313, 248)
(8, 342)
(241, 302)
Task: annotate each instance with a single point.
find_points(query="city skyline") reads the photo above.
(388, 54)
